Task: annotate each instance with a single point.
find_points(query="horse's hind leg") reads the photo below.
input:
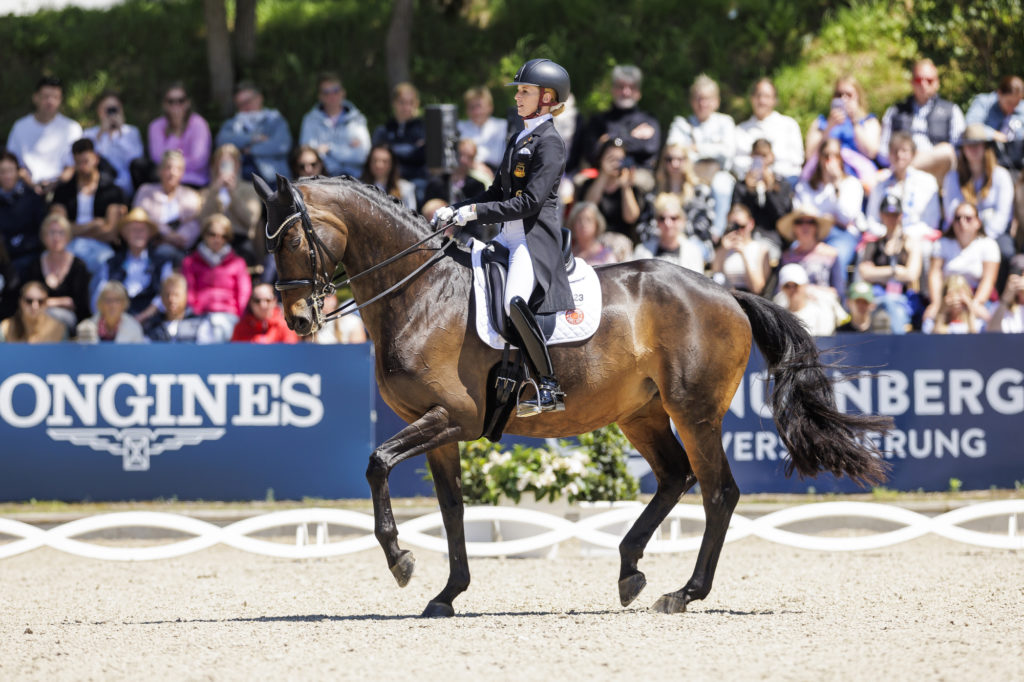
(651, 433)
(446, 470)
(430, 431)
(703, 440)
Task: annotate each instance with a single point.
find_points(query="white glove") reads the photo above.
(442, 216)
(465, 214)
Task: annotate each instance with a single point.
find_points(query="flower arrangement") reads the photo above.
(592, 470)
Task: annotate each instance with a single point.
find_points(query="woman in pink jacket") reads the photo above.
(219, 284)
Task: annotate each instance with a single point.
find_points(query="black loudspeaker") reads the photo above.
(442, 136)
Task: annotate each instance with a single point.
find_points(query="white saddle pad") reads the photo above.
(570, 325)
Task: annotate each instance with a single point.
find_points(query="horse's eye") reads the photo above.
(294, 242)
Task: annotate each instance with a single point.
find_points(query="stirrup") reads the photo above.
(549, 398)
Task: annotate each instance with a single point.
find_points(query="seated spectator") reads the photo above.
(115, 140)
(963, 250)
(639, 131)
(305, 162)
(21, 211)
(487, 131)
(850, 122)
(892, 265)
(31, 323)
(42, 140)
(137, 265)
(783, 132)
(10, 283)
(806, 230)
(263, 320)
(613, 190)
(336, 129)
(674, 174)
(979, 178)
(816, 307)
(864, 314)
(917, 190)
(935, 123)
(172, 207)
(406, 135)
(179, 129)
(381, 170)
(345, 329)
(1003, 112)
(93, 204)
(586, 224)
(742, 261)
(260, 133)
(460, 183)
(1009, 316)
(710, 140)
(65, 276)
(177, 323)
(111, 323)
(768, 196)
(230, 196)
(219, 285)
(956, 311)
(838, 195)
(430, 207)
(672, 244)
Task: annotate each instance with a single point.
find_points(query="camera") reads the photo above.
(113, 111)
(627, 162)
(837, 103)
(732, 227)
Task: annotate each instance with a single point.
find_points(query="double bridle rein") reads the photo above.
(322, 283)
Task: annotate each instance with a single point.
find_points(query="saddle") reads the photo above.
(494, 259)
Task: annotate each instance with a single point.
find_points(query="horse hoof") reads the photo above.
(631, 587)
(402, 570)
(437, 609)
(669, 603)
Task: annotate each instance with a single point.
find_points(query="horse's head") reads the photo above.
(305, 252)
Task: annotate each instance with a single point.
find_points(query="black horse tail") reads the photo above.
(818, 436)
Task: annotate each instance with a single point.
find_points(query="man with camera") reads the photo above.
(115, 141)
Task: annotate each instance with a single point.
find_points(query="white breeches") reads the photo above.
(521, 280)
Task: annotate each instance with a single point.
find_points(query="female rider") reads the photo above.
(524, 198)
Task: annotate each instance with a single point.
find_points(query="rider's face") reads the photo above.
(527, 99)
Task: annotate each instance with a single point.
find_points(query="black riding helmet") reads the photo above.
(544, 73)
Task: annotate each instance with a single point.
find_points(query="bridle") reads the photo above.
(322, 283)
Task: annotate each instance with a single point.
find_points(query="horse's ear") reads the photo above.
(283, 186)
(262, 188)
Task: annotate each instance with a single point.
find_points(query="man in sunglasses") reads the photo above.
(336, 129)
(935, 123)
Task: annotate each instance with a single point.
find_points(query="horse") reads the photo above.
(671, 347)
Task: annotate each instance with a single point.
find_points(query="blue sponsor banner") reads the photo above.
(957, 403)
(235, 421)
(228, 422)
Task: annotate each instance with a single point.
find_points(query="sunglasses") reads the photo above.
(965, 218)
(175, 100)
(33, 301)
(924, 80)
(805, 221)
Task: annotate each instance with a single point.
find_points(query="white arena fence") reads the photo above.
(548, 530)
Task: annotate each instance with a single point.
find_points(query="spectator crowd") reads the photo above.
(907, 221)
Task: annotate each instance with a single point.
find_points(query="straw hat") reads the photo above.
(977, 132)
(785, 224)
(137, 215)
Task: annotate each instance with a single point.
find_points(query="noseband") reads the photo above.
(322, 284)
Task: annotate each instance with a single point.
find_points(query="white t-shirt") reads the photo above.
(787, 144)
(45, 149)
(734, 267)
(842, 201)
(489, 138)
(967, 262)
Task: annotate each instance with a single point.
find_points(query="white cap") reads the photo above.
(793, 273)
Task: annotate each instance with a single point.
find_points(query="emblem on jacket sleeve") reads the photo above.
(520, 171)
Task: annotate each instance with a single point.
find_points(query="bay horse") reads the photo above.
(671, 345)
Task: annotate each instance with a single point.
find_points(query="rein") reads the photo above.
(321, 284)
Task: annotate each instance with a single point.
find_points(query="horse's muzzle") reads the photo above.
(301, 318)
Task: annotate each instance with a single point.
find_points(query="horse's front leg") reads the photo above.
(446, 470)
(430, 431)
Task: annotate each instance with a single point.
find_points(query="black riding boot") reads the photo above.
(550, 397)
